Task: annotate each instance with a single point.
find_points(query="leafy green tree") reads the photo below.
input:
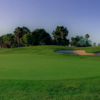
(74, 40)
(1, 42)
(83, 42)
(79, 41)
(8, 40)
(60, 34)
(41, 37)
(27, 39)
(19, 32)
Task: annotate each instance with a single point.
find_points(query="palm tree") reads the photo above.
(87, 36)
(17, 34)
(1, 42)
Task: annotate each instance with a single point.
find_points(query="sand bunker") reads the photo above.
(76, 52)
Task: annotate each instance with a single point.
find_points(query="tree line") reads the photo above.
(22, 36)
(80, 41)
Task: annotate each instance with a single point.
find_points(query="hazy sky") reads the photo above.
(80, 17)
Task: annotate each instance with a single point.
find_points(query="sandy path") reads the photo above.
(76, 52)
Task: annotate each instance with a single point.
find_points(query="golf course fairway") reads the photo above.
(38, 73)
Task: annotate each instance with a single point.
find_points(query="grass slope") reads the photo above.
(45, 49)
(38, 73)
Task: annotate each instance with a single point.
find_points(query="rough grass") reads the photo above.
(77, 89)
(38, 73)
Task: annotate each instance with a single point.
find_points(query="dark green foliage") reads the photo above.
(7, 41)
(79, 41)
(74, 40)
(22, 36)
(41, 37)
(19, 32)
(60, 34)
(27, 39)
(1, 42)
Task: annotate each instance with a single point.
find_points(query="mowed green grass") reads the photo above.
(47, 67)
(42, 63)
(38, 73)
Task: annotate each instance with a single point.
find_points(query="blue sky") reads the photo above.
(79, 16)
